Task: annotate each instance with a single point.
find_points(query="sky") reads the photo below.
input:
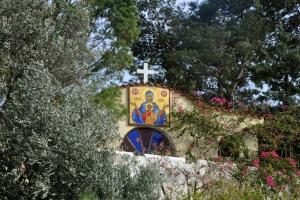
(181, 1)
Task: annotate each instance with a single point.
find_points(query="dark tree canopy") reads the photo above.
(223, 48)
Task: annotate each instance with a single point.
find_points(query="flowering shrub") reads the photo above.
(207, 124)
(222, 182)
(221, 101)
(279, 133)
(269, 155)
(160, 149)
(232, 145)
(274, 168)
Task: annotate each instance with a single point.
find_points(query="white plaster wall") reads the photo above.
(124, 128)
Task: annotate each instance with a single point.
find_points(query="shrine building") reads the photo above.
(148, 122)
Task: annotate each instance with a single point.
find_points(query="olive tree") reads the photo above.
(55, 142)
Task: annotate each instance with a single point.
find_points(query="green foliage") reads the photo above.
(230, 190)
(207, 47)
(55, 142)
(222, 47)
(155, 38)
(272, 173)
(280, 132)
(127, 181)
(113, 27)
(53, 149)
(232, 145)
(211, 128)
(89, 196)
(110, 98)
(279, 68)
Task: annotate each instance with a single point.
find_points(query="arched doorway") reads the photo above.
(148, 141)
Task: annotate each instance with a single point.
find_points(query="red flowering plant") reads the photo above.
(276, 172)
(160, 149)
(274, 168)
(206, 123)
(232, 145)
(277, 163)
(280, 132)
(190, 154)
(200, 122)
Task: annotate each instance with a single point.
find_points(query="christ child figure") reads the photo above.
(149, 112)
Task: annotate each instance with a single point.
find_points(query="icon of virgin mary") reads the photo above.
(149, 112)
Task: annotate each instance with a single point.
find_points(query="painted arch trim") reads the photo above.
(146, 140)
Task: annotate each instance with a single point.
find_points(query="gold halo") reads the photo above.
(150, 105)
(149, 89)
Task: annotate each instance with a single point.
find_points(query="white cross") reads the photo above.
(145, 72)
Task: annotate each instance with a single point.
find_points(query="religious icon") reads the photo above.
(144, 108)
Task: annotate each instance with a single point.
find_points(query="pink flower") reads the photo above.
(180, 109)
(163, 165)
(272, 184)
(229, 162)
(269, 154)
(284, 107)
(274, 154)
(218, 159)
(161, 145)
(292, 162)
(298, 173)
(222, 168)
(281, 187)
(212, 100)
(195, 92)
(256, 163)
(243, 173)
(204, 112)
(221, 101)
(200, 103)
(167, 152)
(270, 180)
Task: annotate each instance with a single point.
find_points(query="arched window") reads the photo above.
(231, 145)
(147, 141)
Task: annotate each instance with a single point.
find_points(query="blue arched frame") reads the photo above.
(146, 141)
